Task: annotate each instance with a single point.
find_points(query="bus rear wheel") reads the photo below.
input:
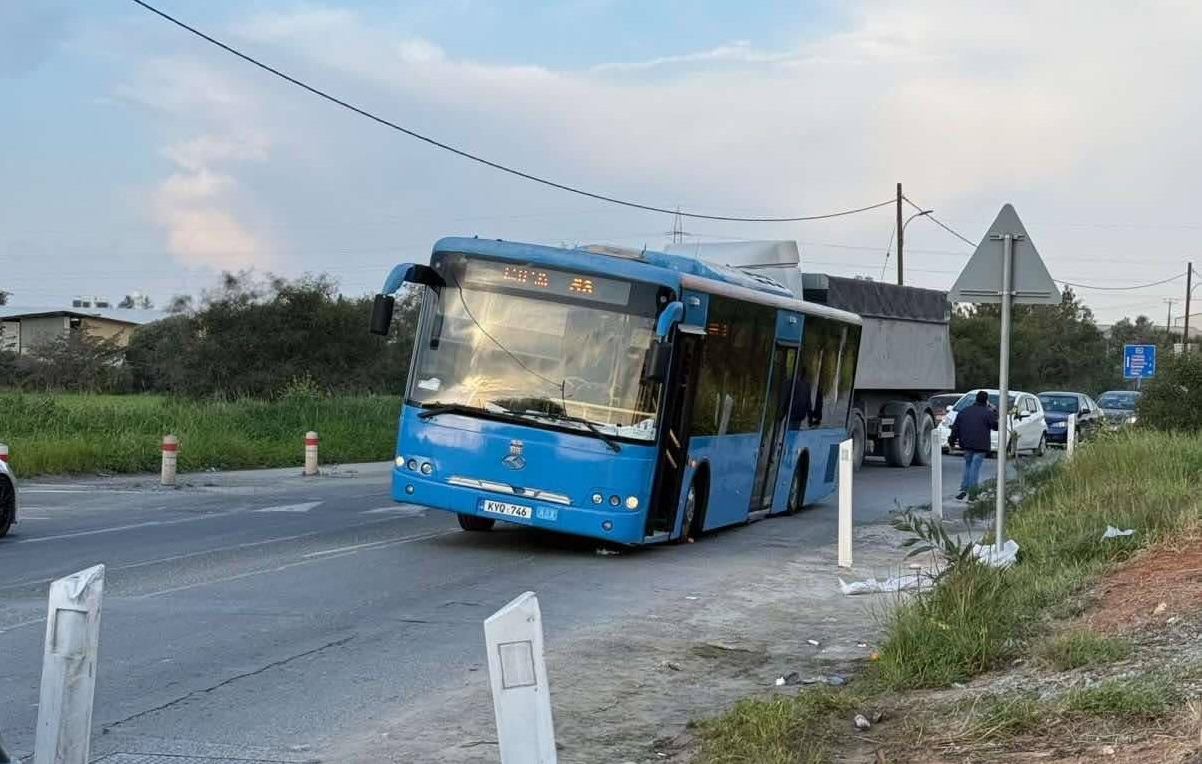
(476, 523)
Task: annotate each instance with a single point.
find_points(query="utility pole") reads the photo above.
(901, 234)
(1189, 286)
(1168, 322)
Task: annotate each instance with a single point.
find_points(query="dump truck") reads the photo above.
(905, 349)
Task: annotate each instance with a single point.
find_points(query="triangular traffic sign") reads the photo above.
(981, 279)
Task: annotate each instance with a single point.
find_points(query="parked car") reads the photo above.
(1118, 407)
(8, 498)
(1028, 430)
(1059, 406)
(942, 403)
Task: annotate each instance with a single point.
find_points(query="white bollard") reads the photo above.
(310, 453)
(170, 452)
(845, 473)
(1070, 442)
(520, 695)
(3, 453)
(69, 669)
(936, 478)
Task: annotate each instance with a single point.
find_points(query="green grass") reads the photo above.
(797, 729)
(1146, 697)
(76, 434)
(1082, 648)
(977, 618)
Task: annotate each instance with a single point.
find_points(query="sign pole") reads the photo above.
(1003, 399)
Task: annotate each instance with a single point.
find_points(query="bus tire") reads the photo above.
(797, 486)
(899, 450)
(475, 522)
(694, 509)
(926, 433)
(859, 439)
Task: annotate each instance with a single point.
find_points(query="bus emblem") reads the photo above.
(515, 460)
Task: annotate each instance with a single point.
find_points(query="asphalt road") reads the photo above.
(265, 615)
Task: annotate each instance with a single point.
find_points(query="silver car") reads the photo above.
(8, 498)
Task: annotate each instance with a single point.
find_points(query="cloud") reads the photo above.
(1074, 110)
(29, 33)
(201, 205)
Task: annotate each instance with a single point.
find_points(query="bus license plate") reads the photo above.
(509, 510)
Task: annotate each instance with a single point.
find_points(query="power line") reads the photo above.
(941, 224)
(481, 160)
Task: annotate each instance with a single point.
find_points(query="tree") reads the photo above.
(4, 297)
(139, 301)
(75, 361)
(1172, 400)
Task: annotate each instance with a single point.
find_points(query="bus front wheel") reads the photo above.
(475, 523)
(694, 511)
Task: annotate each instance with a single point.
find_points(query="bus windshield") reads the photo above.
(546, 358)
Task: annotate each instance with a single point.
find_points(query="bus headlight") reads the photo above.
(598, 498)
(426, 468)
(614, 500)
(412, 465)
(632, 502)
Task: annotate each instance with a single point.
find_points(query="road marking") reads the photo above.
(329, 555)
(88, 490)
(291, 507)
(35, 622)
(115, 528)
(373, 544)
(398, 510)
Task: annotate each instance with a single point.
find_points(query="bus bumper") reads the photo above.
(618, 525)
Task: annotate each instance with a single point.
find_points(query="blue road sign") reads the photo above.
(1139, 361)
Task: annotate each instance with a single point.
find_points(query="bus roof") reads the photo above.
(672, 270)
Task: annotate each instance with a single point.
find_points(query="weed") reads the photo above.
(1146, 697)
(798, 729)
(1082, 648)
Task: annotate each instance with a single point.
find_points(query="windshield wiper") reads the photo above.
(605, 437)
(435, 409)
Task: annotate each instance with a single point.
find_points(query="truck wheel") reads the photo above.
(899, 450)
(859, 439)
(476, 523)
(926, 434)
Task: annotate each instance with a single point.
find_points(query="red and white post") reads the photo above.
(4, 453)
(170, 449)
(310, 453)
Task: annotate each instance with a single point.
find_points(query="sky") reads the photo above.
(138, 158)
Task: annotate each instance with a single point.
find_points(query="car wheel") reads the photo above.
(1042, 448)
(8, 506)
(476, 523)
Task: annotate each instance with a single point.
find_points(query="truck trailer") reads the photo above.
(905, 349)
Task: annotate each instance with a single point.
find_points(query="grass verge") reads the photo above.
(979, 617)
(797, 729)
(77, 434)
(1082, 649)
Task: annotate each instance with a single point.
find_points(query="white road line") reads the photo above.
(28, 489)
(330, 555)
(397, 510)
(35, 622)
(115, 528)
(291, 507)
(374, 544)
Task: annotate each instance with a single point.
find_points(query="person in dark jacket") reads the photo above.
(972, 430)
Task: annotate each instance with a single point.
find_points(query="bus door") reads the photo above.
(674, 433)
(772, 431)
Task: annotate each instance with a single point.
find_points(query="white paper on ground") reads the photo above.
(872, 586)
(990, 555)
(1113, 533)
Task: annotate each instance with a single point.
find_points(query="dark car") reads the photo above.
(942, 403)
(1058, 406)
(1118, 407)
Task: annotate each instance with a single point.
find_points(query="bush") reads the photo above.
(1172, 400)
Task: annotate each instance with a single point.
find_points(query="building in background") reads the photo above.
(22, 328)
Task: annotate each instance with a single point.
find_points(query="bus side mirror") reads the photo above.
(381, 314)
(658, 356)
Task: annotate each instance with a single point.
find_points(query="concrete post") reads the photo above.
(1070, 443)
(310, 453)
(69, 669)
(170, 449)
(936, 478)
(520, 695)
(845, 476)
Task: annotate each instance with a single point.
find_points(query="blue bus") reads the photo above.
(631, 396)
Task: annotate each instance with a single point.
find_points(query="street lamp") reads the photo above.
(901, 238)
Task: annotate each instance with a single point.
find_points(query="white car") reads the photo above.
(1028, 429)
(8, 498)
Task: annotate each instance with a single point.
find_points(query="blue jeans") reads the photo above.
(972, 470)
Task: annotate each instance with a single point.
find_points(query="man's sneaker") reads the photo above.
(961, 496)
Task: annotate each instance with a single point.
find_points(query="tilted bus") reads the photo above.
(631, 396)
